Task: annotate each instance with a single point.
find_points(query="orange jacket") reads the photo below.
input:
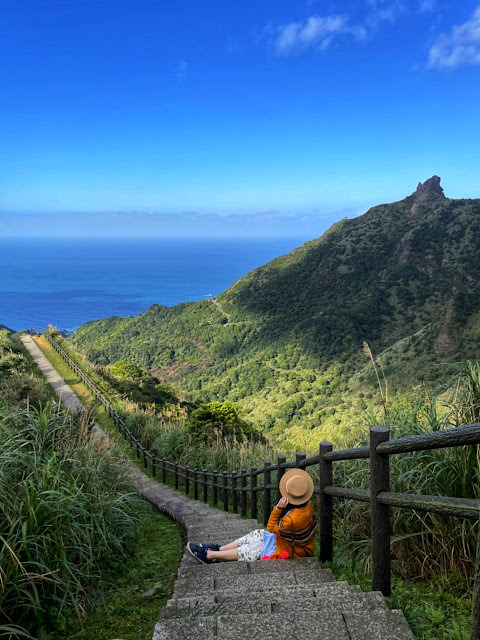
(295, 520)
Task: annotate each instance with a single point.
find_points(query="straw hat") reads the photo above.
(297, 486)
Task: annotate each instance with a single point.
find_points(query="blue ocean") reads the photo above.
(67, 282)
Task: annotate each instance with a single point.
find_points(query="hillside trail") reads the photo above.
(220, 309)
(271, 600)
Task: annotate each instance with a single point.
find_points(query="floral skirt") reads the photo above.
(251, 545)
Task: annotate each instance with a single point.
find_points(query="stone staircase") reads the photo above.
(274, 599)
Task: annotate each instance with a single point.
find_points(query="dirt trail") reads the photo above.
(220, 309)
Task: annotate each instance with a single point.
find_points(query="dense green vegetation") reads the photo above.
(69, 514)
(20, 384)
(436, 549)
(182, 427)
(405, 279)
(365, 325)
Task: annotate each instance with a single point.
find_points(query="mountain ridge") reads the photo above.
(296, 325)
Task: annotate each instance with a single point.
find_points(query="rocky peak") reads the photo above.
(428, 191)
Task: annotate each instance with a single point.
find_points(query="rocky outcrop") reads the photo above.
(426, 192)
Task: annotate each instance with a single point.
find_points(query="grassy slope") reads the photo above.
(130, 606)
(291, 351)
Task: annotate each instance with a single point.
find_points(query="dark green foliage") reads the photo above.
(126, 370)
(218, 420)
(138, 384)
(19, 385)
(407, 280)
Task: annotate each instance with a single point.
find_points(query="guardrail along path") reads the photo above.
(275, 599)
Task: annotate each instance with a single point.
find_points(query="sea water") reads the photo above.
(67, 282)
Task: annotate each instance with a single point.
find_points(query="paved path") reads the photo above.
(271, 600)
(61, 388)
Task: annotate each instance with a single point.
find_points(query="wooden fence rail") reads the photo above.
(240, 493)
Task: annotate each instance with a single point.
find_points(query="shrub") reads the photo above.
(215, 420)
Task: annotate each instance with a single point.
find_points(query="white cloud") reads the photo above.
(380, 11)
(460, 46)
(385, 10)
(316, 33)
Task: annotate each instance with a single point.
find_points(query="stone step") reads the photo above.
(257, 567)
(401, 624)
(325, 598)
(298, 625)
(248, 582)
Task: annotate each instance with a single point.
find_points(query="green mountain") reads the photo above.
(285, 341)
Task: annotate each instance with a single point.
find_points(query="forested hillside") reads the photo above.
(286, 341)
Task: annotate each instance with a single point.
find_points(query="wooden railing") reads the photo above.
(240, 491)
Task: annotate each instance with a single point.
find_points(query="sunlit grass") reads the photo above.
(129, 606)
(67, 510)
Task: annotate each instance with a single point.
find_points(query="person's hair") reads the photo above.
(289, 507)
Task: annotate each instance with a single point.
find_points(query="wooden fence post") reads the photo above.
(187, 481)
(253, 493)
(154, 466)
(379, 513)
(267, 493)
(475, 628)
(325, 519)
(176, 476)
(299, 456)
(225, 491)
(215, 488)
(195, 484)
(205, 486)
(243, 495)
(164, 471)
(234, 492)
(280, 460)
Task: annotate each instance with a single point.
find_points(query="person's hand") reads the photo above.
(282, 503)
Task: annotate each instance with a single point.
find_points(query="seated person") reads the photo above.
(290, 530)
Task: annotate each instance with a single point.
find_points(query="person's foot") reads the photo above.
(210, 545)
(198, 552)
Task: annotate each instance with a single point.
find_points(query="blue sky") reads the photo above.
(270, 117)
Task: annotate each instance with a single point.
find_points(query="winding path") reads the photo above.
(275, 600)
(220, 309)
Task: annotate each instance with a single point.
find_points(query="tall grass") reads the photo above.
(221, 453)
(19, 384)
(67, 511)
(424, 544)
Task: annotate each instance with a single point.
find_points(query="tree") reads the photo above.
(126, 370)
(218, 419)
